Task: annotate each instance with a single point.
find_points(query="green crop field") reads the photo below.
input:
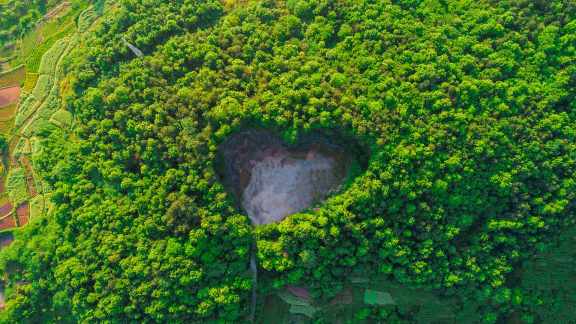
(51, 57)
(42, 88)
(30, 82)
(37, 206)
(25, 109)
(16, 186)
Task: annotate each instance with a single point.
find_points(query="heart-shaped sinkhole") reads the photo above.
(272, 180)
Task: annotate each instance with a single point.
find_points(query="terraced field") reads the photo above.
(30, 99)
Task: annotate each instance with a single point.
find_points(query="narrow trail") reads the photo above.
(56, 10)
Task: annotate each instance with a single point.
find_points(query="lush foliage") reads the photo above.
(467, 109)
(19, 16)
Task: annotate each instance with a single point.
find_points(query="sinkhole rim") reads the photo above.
(358, 156)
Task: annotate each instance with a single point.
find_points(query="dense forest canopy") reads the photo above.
(467, 108)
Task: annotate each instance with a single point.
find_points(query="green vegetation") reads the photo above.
(25, 109)
(16, 186)
(466, 108)
(30, 82)
(37, 206)
(42, 88)
(33, 60)
(19, 16)
(86, 19)
(51, 57)
(62, 118)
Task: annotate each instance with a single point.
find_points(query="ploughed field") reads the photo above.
(9, 96)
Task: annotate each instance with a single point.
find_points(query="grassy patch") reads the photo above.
(23, 147)
(37, 206)
(42, 88)
(86, 19)
(30, 82)
(34, 59)
(16, 186)
(36, 145)
(62, 118)
(41, 121)
(47, 33)
(25, 109)
(50, 58)
(274, 310)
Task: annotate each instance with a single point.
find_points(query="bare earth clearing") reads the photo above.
(9, 96)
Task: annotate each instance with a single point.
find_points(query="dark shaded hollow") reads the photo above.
(271, 180)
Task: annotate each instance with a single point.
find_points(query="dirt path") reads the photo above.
(56, 10)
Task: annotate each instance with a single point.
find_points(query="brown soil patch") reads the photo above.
(299, 292)
(23, 212)
(8, 112)
(345, 297)
(7, 223)
(5, 209)
(29, 176)
(12, 78)
(11, 148)
(9, 96)
(57, 10)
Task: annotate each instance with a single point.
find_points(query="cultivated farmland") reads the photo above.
(9, 96)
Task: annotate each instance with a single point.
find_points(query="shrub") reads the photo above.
(39, 127)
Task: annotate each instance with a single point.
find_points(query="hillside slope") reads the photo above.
(466, 109)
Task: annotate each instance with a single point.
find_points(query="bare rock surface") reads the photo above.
(272, 180)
